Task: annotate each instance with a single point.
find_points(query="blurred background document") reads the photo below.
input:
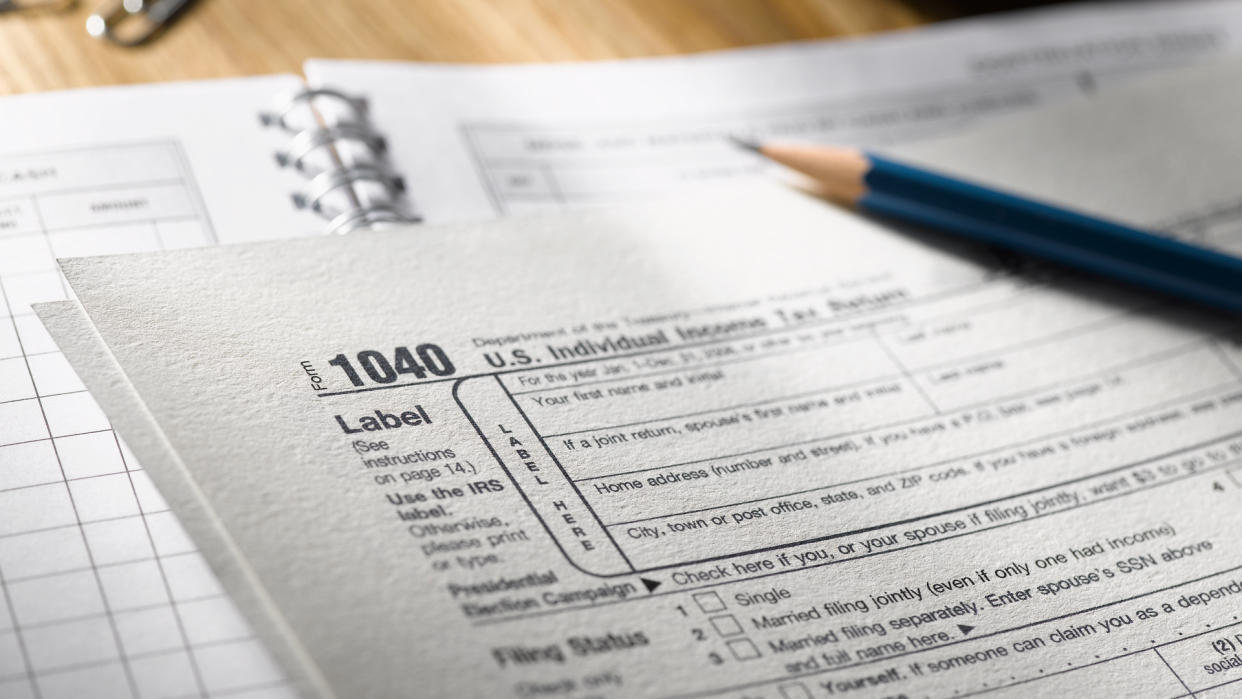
(488, 140)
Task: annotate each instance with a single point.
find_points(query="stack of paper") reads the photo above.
(747, 444)
(740, 444)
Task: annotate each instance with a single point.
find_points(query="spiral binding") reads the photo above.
(360, 211)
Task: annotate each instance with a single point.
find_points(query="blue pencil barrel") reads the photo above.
(1105, 247)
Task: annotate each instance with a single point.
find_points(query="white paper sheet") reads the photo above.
(863, 464)
(222, 185)
(479, 141)
(1162, 155)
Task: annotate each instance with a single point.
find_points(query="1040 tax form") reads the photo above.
(103, 592)
(748, 446)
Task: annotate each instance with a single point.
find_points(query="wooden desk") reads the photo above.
(221, 38)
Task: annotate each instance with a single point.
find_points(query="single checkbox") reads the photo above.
(709, 602)
(795, 691)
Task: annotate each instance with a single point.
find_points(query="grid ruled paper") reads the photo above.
(103, 593)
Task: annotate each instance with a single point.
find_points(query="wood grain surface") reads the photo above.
(50, 50)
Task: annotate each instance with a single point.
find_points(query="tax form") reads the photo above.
(481, 141)
(200, 160)
(1161, 156)
(749, 446)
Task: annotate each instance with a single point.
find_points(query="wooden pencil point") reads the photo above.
(838, 170)
(746, 143)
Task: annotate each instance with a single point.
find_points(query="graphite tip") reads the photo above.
(747, 143)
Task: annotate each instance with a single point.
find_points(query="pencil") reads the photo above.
(890, 188)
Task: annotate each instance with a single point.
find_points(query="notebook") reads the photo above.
(103, 590)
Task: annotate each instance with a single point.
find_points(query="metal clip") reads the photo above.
(372, 216)
(309, 140)
(280, 116)
(324, 183)
(132, 22)
(16, 5)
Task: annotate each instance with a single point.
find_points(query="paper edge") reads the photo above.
(92, 359)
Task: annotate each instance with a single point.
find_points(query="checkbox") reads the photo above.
(726, 625)
(795, 691)
(709, 602)
(743, 649)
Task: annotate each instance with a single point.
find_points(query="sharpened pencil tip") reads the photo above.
(748, 144)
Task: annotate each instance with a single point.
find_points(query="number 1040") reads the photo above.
(426, 359)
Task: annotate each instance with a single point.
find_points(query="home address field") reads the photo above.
(652, 449)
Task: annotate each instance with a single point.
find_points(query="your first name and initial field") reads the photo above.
(915, 362)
